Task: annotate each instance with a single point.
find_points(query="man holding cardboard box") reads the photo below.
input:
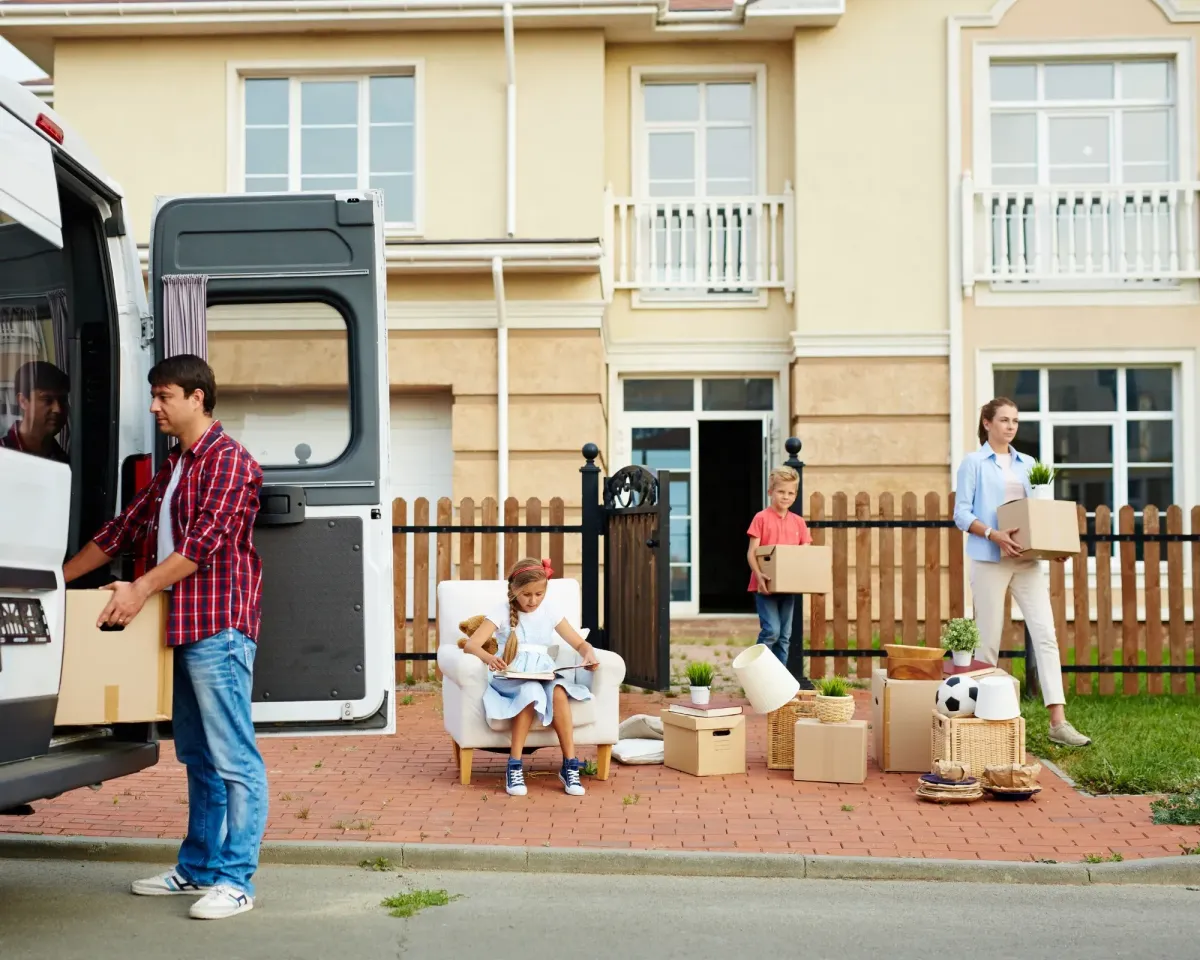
(995, 475)
(193, 526)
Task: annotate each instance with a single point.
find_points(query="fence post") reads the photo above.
(795, 662)
(1033, 686)
(593, 526)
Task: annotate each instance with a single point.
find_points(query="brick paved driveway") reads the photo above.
(405, 788)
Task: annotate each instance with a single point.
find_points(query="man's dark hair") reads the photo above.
(40, 375)
(188, 372)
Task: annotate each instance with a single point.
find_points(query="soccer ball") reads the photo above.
(956, 697)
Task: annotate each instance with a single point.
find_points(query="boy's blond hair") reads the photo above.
(780, 475)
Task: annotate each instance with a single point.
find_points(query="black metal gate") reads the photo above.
(634, 520)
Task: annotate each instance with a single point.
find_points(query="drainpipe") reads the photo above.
(501, 381)
(510, 124)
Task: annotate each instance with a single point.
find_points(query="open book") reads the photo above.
(535, 675)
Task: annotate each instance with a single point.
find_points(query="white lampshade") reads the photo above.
(997, 699)
(767, 683)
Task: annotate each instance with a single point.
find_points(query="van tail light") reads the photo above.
(136, 474)
(49, 128)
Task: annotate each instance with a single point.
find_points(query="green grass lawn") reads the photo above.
(1140, 744)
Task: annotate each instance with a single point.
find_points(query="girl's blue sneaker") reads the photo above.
(569, 777)
(514, 779)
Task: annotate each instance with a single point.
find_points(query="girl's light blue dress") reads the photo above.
(504, 699)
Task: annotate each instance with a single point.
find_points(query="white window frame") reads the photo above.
(1187, 416)
(1181, 55)
(299, 70)
(639, 160)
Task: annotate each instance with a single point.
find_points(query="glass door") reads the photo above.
(672, 448)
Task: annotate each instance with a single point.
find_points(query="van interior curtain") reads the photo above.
(185, 307)
(58, 331)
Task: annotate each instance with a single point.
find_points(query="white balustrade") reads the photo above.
(1110, 235)
(687, 248)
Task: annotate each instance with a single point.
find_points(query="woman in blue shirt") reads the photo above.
(993, 475)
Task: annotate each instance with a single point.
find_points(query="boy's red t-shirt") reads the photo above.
(772, 529)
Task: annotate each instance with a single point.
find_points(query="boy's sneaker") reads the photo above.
(169, 884)
(220, 902)
(568, 775)
(514, 779)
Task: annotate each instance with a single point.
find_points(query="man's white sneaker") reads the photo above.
(1066, 735)
(168, 884)
(220, 902)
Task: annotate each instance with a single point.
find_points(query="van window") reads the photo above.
(283, 380)
(58, 381)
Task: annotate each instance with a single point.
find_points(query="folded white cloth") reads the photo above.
(641, 726)
(638, 751)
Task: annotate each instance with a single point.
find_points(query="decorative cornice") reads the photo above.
(807, 345)
(418, 315)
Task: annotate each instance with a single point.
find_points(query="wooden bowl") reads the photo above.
(902, 652)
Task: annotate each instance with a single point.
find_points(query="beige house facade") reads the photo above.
(687, 231)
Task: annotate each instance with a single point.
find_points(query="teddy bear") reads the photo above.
(471, 624)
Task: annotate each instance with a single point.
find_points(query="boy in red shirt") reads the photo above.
(776, 525)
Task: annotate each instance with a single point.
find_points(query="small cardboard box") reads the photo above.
(793, 569)
(900, 721)
(114, 676)
(832, 752)
(1046, 529)
(704, 746)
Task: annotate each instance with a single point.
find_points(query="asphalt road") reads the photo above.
(51, 910)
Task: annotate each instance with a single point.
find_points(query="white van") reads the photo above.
(71, 292)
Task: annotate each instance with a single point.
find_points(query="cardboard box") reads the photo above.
(114, 676)
(900, 719)
(792, 569)
(704, 746)
(832, 752)
(1046, 529)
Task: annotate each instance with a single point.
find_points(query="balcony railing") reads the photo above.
(1116, 236)
(701, 248)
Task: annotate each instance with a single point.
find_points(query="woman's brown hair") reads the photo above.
(523, 573)
(988, 412)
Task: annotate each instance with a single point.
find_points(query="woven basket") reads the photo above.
(781, 730)
(835, 709)
(978, 744)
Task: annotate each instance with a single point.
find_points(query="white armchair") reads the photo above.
(465, 677)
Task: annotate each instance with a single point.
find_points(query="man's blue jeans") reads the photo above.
(227, 780)
(775, 622)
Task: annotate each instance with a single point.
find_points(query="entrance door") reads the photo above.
(325, 653)
(731, 493)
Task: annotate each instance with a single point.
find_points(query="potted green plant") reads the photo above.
(700, 676)
(1041, 479)
(835, 703)
(960, 636)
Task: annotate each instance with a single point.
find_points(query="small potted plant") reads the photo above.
(835, 703)
(700, 676)
(961, 636)
(1041, 479)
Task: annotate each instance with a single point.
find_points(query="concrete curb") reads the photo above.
(1173, 871)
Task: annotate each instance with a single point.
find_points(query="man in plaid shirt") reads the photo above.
(193, 525)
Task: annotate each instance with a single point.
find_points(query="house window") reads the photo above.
(700, 150)
(328, 133)
(1110, 431)
(1085, 122)
(1084, 159)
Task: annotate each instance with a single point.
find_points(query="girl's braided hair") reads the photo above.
(523, 573)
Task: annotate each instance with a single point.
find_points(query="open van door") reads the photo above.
(325, 661)
(28, 190)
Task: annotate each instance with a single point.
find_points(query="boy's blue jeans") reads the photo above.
(227, 780)
(775, 622)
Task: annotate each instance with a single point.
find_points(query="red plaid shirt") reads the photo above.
(12, 441)
(212, 516)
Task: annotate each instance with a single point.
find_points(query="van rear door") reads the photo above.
(294, 289)
(28, 191)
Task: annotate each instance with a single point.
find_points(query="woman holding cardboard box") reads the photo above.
(993, 475)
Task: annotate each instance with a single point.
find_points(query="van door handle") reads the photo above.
(280, 505)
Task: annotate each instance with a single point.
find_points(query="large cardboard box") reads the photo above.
(793, 569)
(900, 718)
(704, 746)
(1046, 529)
(832, 752)
(114, 676)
